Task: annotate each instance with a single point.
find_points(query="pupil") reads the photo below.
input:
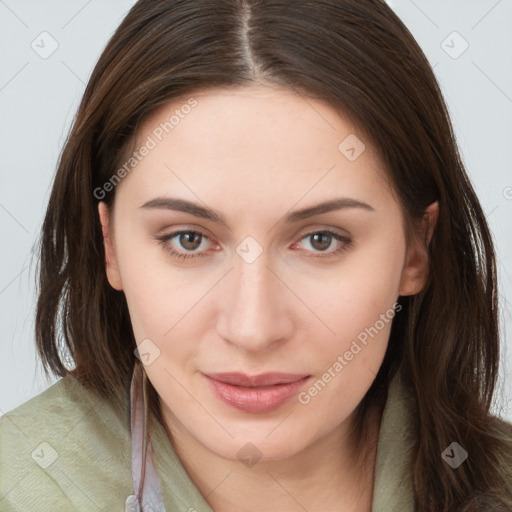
(323, 237)
(185, 240)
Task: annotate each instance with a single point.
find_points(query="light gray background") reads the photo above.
(39, 97)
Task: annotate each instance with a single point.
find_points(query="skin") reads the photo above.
(254, 155)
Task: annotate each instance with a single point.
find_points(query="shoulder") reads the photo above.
(67, 448)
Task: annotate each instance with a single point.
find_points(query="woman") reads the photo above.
(266, 260)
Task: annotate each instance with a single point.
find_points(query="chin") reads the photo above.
(256, 448)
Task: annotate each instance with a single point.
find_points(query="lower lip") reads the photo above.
(256, 399)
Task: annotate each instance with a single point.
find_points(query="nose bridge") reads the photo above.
(254, 315)
(252, 282)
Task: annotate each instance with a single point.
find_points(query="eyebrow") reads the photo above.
(182, 205)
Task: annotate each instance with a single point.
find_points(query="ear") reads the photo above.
(415, 271)
(113, 275)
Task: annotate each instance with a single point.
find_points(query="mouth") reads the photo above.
(257, 393)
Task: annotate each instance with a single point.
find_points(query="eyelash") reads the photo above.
(319, 254)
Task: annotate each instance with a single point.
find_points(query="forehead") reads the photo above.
(276, 117)
(256, 143)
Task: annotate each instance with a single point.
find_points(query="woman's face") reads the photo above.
(263, 281)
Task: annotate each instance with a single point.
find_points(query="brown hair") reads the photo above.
(361, 59)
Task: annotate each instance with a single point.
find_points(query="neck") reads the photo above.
(329, 474)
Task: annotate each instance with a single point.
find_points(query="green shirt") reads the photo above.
(69, 450)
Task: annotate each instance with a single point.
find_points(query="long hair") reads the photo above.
(359, 58)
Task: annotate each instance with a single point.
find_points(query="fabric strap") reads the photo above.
(147, 496)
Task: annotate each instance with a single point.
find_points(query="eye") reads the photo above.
(190, 243)
(321, 241)
(188, 240)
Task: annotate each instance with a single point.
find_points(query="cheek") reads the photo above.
(360, 312)
(167, 305)
(154, 294)
(364, 285)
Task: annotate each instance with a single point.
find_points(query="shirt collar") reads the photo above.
(393, 484)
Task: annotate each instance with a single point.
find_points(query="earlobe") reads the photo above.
(112, 270)
(415, 271)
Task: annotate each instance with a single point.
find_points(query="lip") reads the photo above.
(257, 393)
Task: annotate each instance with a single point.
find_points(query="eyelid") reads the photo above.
(341, 237)
(344, 243)
(179, 255)
(179, 228)
(301, 234)
(321, 228)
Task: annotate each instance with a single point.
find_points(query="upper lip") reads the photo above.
(264, 379)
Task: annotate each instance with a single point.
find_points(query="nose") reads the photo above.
(255, 310)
